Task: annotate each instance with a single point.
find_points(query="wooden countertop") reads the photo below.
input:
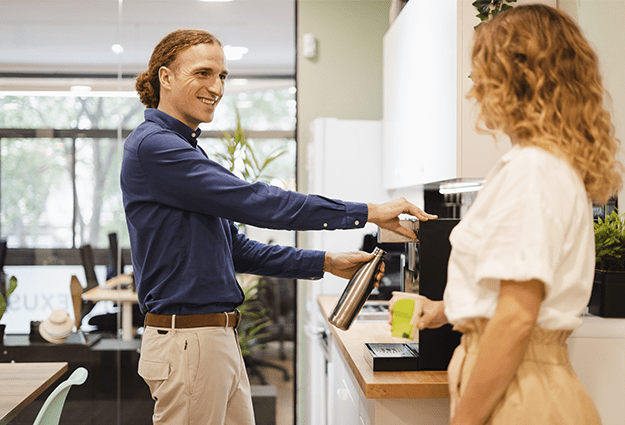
(422, 384)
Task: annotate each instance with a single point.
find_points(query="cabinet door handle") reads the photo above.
(342, 394)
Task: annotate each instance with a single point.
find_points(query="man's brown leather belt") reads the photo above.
(193, 321)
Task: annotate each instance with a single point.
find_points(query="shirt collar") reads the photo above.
(167, 121)
(514, 151)
(505, 158)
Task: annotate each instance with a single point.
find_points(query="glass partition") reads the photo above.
(60, 158)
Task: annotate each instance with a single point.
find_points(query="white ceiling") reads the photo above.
(74, 37)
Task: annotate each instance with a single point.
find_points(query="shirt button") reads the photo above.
(193, 135)
(357, 222)
(325, 224)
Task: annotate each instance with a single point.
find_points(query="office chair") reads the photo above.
(50, 412)
(3, 252)
(111, 271)
(86, 257)
(106, 322)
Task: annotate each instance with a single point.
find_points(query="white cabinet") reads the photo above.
(347, 404)
(343, 394)
(596, 352)
(429, 125)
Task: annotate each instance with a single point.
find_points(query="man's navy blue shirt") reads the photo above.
(181, 207)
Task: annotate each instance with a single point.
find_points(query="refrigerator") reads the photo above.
(344, 162)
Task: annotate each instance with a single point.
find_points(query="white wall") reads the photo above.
(602, 24)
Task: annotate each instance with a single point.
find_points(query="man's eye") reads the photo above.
(223, 77)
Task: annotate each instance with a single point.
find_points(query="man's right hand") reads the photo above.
(387, 215)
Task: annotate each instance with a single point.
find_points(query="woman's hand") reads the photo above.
(345, 264)
(416, 313)
(432, 314)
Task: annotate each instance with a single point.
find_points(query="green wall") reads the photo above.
(343, 81)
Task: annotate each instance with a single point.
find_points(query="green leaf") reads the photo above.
(610, 242)
(3, 306)
(9, 291)
(483, 6)
(12, 286)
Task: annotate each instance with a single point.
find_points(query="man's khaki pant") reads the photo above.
(196, 376)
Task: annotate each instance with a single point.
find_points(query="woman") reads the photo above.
(522, 261)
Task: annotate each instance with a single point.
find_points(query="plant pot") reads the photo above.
(608, 294)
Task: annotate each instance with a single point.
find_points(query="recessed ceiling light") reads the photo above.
(80, 89)
(117, 49)
(235, 53)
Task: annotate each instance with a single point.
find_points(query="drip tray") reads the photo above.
(374, 311)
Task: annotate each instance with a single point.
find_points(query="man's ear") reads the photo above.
(164, 77)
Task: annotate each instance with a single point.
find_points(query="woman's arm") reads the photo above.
(502, 347)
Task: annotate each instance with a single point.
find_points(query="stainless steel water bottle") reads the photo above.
(356, 292)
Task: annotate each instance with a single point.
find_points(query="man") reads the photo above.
(180, 208)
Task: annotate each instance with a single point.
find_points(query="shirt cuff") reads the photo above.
(357, 215)
(317, 259)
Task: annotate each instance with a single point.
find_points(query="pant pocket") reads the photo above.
(154, 374)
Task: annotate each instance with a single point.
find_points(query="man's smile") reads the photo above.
(207, 101)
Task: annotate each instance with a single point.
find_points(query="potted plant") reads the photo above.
(253, 318)
(6, 289)
(488, 8)
(240, 156)
(608, 293)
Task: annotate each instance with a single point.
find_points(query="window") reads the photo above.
(60, 156)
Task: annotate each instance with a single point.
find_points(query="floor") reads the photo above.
(271, 352)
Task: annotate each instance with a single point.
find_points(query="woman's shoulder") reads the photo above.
(536, 161)
(546, 174)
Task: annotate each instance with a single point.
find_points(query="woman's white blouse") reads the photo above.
(531, 220)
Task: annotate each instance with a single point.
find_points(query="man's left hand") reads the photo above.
(345, 264)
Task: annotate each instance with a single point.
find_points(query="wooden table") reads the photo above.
(21, 383)
(123, 297)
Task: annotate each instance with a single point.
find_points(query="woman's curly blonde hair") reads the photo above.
(537, 79)
(165, 53)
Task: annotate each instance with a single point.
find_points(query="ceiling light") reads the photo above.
(117, 49)
(235, 53)
(79, 89)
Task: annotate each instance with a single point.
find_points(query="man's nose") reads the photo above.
(216, 86)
